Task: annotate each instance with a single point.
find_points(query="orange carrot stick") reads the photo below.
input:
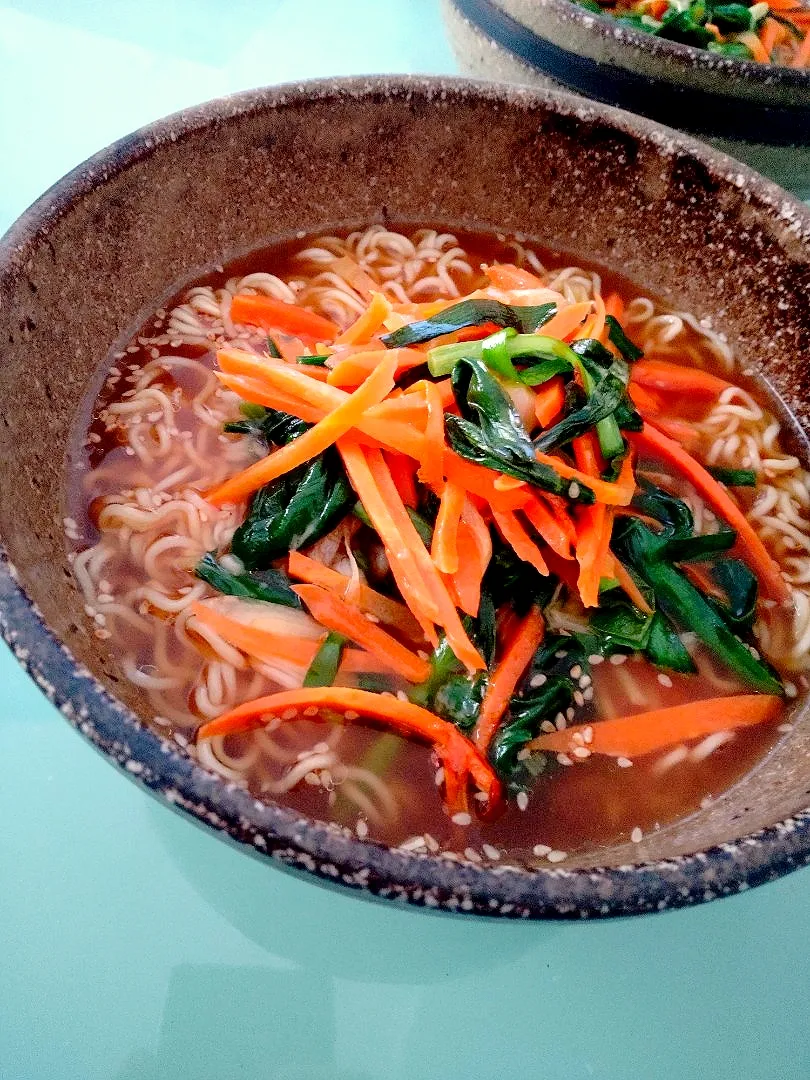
(256, 391)
(354, 369)
(367, 324)
(404, 565)
(403, 471)
(629, 587)
(313, 442)
(448, 616)
(475, 551)
(801, 57)
(444, 548)
(382, 607)
(519, 653)
(514, 533)
(645, 733)
(549, 528)
(567, 321)
(508, 276)
(335, 614)
(272, 314)
(678, 379)
(618, 494)
(549, 401)
(614, 305)
(430, 471)
(460, 758)
(752, 550)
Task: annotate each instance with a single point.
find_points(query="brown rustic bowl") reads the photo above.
(759, 113)
(123, 231)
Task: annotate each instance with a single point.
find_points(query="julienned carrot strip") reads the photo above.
(403, 472)
(263, 644)
(475, 551)
(645, 733)
(431, 468)
(629, 587)
(567, 321)
(678, 379)
(614, 305)
(587, 454)
(770, 33)
(549, 401)
(335, 614)
(515, 534)
(367, 324)
(509, 276)
(354, 369)
(457, 636)
(481, 482)
(618, 494)
(444, 387)
(388, 611)
(404, 565)
(593, 524)
(548, 527)
(277, 376)
(560, 510)
(461, 760)
(646, 400)
(595, 325)
(313, 442)
(444, 549)
(752, 550)
(272, 314)
(517, 657)
(256, 391)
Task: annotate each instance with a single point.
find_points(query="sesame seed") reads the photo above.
(564, 759)
(581, 752)
(578, 738)
(351, 715)
(573, 489)
(706, 802)
(636, 835)
(624, 762)
(618, 658)
(372, 618)
(481, 796)
(472, 854)
(569, 713)
(546, 726)
(522, 800)
(538, 680)
(361, 828)
(578, 698)
(587, 693)
(438, 778)
(401, 695)
(587, 734)
(541, 850)
(461, 819)
(584, 682)
(431, 842)
(490, 851)
(557, 856)
(576, 671)
(560, 722)
(312, 779)
(561, 654)
(665, 680)
(422, 654)
(785, 728)
(311, 710)
(525, 753)
(791, 690)
(596, 659)
(289, 714)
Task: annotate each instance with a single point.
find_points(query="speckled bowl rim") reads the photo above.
(608, 29)
(326, 852)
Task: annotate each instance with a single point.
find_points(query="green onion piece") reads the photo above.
(735, 477)
(273, 349)
(326, 661)
(311, 361)
(273, 586)
(628, 349)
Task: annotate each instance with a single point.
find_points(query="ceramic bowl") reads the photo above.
(758, 113)
(127, 228)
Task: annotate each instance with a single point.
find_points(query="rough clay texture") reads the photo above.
(118, 235)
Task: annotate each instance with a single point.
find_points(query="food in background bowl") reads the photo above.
(770, 33)
(756, 112)
(527, 523)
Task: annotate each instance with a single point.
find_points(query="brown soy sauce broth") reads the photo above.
(572, 808)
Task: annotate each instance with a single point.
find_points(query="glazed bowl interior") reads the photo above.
(118, 236)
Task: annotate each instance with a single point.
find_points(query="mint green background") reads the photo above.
(135, 946)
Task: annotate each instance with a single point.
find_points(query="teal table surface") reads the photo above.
(134, 945)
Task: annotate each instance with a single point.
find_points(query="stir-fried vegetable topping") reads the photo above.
(470, 486)
(768, 31)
